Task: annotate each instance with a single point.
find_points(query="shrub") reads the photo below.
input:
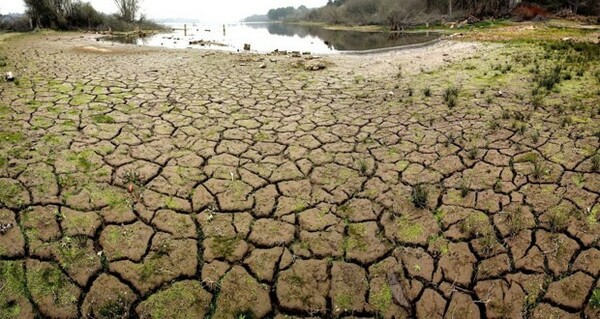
(451, 95)
(528, 11)
(419, 196)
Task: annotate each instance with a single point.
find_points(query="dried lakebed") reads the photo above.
(428, 183)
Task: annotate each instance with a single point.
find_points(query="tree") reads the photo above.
(84, 15)
(49, 13)
(128, 9)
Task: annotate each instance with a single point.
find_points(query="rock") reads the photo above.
(262, 66)
(314, 65)
(246, 46)
(9, 76)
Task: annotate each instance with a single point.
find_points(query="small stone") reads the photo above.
(262, 66)
(9, 76)
(4, 228)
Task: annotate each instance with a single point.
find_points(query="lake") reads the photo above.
(267, 37)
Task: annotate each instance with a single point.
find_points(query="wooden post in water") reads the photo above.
(185, 30)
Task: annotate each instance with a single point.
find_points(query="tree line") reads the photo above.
(77, 14)
(407, 12)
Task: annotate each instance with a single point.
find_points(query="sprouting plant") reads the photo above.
(558, 220)
(472, 153)
(363, 167)
(427, 92)
(464, 188)
(132, 177)
(450, 139)
(535, 136)
(399, 74)
(419, 196)
(567, 120)
(539, 169)
(537, 99)
(451, 95)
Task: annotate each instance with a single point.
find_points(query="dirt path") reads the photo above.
(423, 183)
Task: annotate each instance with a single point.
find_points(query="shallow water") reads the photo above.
(267, 37)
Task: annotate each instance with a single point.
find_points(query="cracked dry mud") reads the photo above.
(150, 183)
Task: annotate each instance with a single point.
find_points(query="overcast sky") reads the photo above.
(205, 10)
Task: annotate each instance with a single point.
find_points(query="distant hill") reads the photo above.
(257, 18)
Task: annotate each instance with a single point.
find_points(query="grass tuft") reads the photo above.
(419, 196)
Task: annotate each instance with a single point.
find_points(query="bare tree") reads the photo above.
(128, 9)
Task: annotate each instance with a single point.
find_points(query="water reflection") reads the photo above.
(266, 37)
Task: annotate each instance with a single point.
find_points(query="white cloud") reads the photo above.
(210, 11)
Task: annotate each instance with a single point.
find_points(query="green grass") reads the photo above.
(224, 246)
(82, 160)
(343, 301)
(50, 281)
(419, 196)
(408, 230)
(558, 219)
(11, 137)
(103, 119)
(181, 294)
(595, 299)
(382, 299)
(451, 96)
(355, 239)
(113, 309)
(475, 224)
(9, 193)
(12, 281)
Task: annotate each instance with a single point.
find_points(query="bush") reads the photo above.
(527, 11)
(68, 14)
(83, 15)
(419, 196)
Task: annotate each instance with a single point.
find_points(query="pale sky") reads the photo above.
(204, 10)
